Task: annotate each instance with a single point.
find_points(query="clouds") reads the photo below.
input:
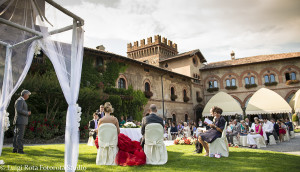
(248, 27)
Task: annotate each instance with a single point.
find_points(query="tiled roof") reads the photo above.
(186, 54)
(249, 60)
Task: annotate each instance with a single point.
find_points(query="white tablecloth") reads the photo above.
(132, 133)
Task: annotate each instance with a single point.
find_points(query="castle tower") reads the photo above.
(153, 51)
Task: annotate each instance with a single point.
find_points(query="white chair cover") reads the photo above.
(235, 140)
(272, 140)
(243, 141)
(154, 148)
(292, 134)
(286, 136)
(220, 145)
(108, 144)
(91, 141)
(169, 134)
(260, 142)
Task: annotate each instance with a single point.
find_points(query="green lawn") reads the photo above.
(181, 158)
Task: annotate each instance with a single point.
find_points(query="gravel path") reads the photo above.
(291, 147)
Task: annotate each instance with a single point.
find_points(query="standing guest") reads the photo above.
(93, 125)
(147, 112)
(275, 129)
(186, 130)
(282, 128)
(152, 118)
(247, 122)
(268, 127)
(289, 125)
(258, 132)
(107, 108)
(174, 130)
(122, 121)
(100, 112)
(20, 121)
(215, 131)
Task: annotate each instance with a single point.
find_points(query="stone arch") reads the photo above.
(234, 74)
(296, 69)
(213, 76)
(289, 93)
(250, 71)
(245, 100)
(238, 99)
(147, 80)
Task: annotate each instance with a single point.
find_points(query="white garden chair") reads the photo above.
(154, 148)
(220, 145)
(108, 144)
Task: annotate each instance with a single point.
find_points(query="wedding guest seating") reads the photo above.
(243, 141)
(169, 134)
(272, 140)
(260, 142)
(154, 148)
(91, 141)
(286, 136)
(292, 134)
(108, 144)
(220, 145)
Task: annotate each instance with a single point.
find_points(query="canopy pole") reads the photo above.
(9, 23)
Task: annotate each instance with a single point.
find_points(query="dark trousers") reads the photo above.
(230, 136)
(199, 147)
(19, 137)
(268, 135)
(275, 134)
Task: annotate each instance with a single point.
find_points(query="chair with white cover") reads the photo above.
(243, 141)
(292, 134)
(169, 134)
(272, 140)
(286, 136)
(91, 141)
(108, 144)
(220, 145)
(154, 148)
(260, 142)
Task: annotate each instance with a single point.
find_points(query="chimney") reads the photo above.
(232, 55)
(100, 47)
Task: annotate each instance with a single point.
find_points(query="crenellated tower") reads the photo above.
(153, 51)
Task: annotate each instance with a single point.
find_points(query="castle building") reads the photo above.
(182, 83)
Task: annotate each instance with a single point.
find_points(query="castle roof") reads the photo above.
(186, 54)
(113, 55)
(251, 60)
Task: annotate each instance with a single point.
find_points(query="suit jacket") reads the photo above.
(21, 112)
(152, 118)
(99, 114)
(92, 124)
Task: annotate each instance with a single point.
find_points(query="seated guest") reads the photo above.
(152, 118)
(166, 130)
(186, 130)
(282, 128)
(244, 128)
(130, 152)
(235, 130)
(174, 131)
(258, 132)
(200, 124)
(247, 122)
(275, 129)
(180, 129)
(215, 129)
(93, 125)
(268, 127)
(122, 121)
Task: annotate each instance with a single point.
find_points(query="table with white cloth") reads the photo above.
(132, 133)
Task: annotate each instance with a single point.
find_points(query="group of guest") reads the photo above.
(185, 129)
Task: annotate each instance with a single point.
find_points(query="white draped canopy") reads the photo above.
(24, 29)
(295, 102)
(226, 102)
(265, 101)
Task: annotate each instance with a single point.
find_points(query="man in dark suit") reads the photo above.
(100, 112)
(152, 118)
(93, 124)
(276, 129)
(20, 121)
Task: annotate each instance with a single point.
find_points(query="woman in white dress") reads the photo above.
(186, 130)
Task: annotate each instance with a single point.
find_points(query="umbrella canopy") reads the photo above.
(265, 101)
(295, 101)
(224, 101)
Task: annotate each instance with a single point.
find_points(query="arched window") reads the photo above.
(172, 91)
(247, 81)
(290, 76)
(272, 78)
(186, 117)
(228, 83)
(210, 84)
(184, 93)
(147, 86)
(215, 84)
(232, 82)
(252, 80)
(266, 79)
(174, 118)
(290, 97)
(293, 76)
(122, 83)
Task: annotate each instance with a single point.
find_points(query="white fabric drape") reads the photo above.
(65, 57)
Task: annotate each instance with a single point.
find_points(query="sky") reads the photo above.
(248, 27)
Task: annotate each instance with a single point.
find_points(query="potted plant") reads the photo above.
(148, 94)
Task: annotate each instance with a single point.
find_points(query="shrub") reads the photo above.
(290, 82)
